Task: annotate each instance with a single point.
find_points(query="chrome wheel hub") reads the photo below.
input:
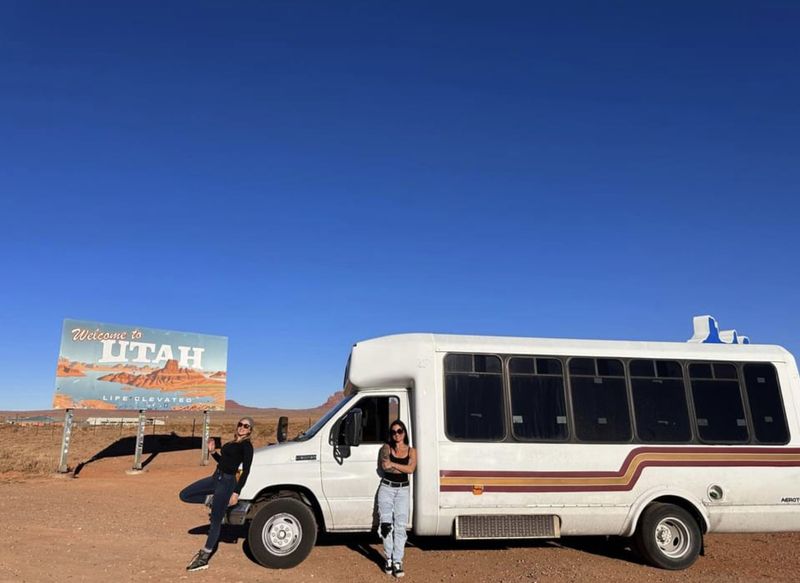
(282, 534)
(673, 537)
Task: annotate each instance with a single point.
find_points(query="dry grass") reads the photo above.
(35, 450)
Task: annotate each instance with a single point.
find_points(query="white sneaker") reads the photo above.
(397, 570)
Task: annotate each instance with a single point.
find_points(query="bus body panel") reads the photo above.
(593, 488)
(747, 504)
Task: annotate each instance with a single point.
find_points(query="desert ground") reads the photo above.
(106, 525)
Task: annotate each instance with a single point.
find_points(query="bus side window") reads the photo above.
(659, 401)
(538, 402)
(766, 405)
(718, 403)
(599, 400)
(473, 395)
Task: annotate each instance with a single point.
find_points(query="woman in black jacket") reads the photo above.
(222, 484)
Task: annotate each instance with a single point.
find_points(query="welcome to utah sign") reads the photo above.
(112, 366)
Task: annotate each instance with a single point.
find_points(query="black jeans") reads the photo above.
(221, 486)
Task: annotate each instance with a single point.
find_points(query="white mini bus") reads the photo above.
(529, 438)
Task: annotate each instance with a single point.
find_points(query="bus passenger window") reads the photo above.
(538, 403)
(473, 394)
(599, 400)
(659, 401)
(718, 403)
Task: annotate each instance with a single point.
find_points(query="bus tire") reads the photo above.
(282, 533)
(668, 537)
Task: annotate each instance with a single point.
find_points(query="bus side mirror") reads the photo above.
(283, 428)
(353, 427)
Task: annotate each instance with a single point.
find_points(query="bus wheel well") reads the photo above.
(687, 506)
(289, 491)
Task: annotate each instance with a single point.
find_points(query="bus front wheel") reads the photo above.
(282, 533)
(668, 536)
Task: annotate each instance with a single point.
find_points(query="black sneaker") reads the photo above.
(199, 562)
(398, 570)
(387, 567)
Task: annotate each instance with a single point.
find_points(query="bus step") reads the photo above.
(508, 526)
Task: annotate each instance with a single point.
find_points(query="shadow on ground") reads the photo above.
(612, 547)
(152, 445)
(368, 545)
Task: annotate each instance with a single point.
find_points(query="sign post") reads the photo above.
(206, 435)
(62, 464)
(137, 458)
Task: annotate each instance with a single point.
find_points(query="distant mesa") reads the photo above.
(169, 377)
(66, 368)
(332, 400)
(231, 405)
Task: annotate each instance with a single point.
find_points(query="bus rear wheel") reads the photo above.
(668, 536)
(282, 533)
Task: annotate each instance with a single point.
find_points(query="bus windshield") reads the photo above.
(311, 431)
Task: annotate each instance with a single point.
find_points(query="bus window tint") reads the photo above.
(766, 407)
(600, 403)
(659, 403)
(718, 404)
(538, 404)
(473, 397)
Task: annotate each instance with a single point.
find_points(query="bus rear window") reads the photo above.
(766, 406)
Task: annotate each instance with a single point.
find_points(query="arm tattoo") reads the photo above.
(385, 458)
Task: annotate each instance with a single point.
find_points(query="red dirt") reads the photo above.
(107, 525)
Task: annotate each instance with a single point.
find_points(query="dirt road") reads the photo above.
(106, 525)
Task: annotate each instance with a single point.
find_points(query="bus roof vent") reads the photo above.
(706, 331)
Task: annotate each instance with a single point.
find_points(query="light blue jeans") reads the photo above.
(393, 510)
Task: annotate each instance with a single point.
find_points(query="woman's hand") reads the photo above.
(212, 445)
(234, 499)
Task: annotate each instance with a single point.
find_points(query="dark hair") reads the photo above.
(389, 440)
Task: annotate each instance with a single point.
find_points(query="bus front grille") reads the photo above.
(507, 526)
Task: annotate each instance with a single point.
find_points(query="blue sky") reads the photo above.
(298, 176)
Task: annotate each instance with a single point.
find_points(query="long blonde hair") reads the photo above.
(246, 437)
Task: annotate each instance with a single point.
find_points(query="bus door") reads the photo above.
(350, 474)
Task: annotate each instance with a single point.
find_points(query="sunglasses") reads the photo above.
(397, 432)
(245, 425)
